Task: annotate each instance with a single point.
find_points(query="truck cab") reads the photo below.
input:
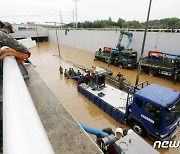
(126, 59)
(155, 111)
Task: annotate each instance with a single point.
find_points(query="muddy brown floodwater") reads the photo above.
(47, 61)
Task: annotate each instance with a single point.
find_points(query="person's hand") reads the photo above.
(4, 48)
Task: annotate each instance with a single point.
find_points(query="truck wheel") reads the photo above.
(121, 65)
(153, 72)
(138, 128)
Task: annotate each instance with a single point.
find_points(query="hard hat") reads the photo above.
(119, 130)
(8, 25)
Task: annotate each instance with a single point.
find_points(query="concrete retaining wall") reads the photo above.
(91, 40)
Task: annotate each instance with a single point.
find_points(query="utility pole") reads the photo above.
(57, 41)
(73, 20)
(144, 39)
(56, 36)
(61, 20)
(37, 35)
(76, 10)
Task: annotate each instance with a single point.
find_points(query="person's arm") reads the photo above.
(6, 51)
(7, 40)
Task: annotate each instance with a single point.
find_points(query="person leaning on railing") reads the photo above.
(1, 24)
(10, 46)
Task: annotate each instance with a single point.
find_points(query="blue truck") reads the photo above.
(154, 110)
(150, 109)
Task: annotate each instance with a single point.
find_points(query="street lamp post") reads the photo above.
(57, 38)
(37, 35)
(143, 44)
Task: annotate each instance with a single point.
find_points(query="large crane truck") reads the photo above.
(120, 56)
(161, 63)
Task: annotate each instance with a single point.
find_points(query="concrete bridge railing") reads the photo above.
(23, 132)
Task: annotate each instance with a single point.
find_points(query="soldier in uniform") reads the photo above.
(78, 73)
(118, 76)
(7, 40)
(7, 27)
(66, 74)
(1, 24)
(10, 46)
(60, 70)
(121, 82)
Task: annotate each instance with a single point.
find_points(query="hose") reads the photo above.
(92, 130)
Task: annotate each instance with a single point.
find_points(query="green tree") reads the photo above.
(87, 24)
(172, 23)
(120, 22)
(178, 24)
(162, 23)
(97, 24)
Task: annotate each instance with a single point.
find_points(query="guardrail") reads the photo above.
(118, 29)
(23, 132)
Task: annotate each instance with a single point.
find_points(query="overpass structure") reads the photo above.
(36, 32)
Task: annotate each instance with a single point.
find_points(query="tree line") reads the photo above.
(166, 23)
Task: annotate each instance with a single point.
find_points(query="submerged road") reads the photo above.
(47, 61)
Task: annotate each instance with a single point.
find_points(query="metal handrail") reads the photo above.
(23, 132)
(119, 29)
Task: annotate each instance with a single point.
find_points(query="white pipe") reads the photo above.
(23, 132)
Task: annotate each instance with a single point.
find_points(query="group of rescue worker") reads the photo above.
(9, 47)
(109, 148)
(80, 77)
(68, 73)
(88, 77)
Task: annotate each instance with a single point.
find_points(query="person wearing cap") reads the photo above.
(7, 41)
(1, 24)
(11, 47)
(8, 27)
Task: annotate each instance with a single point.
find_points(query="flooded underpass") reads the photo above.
(46, 58)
